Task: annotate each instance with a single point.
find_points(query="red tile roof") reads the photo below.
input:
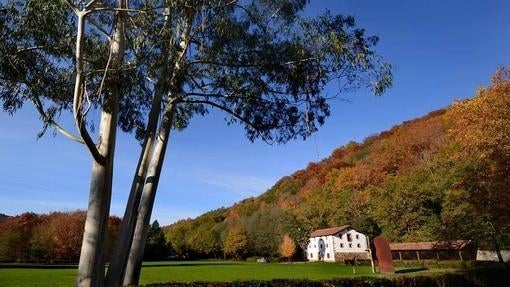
(433, 245)
(328, 231)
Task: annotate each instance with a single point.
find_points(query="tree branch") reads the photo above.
(250, 65)
(39, 107)
(88, 5)
(22, 50)
(119, 9)
(231, 112)
(79, 91)
(224, 64)
(72, 6)
(93, 22)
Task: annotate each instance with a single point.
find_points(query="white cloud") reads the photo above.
(243, 185)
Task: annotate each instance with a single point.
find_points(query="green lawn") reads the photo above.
(40, 276)
(231, 271)
(186, 271)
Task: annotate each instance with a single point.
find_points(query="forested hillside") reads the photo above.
(442, 176)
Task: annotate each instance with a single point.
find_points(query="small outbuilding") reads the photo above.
(341, 243)
(436, 250)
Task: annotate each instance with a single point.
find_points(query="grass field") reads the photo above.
(185, 271)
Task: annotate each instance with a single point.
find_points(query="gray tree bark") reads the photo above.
(132, 273)
(122, 246)
(134, 260)
(92, 264)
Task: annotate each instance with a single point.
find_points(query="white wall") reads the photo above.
(491, 255)
(313, 250)
(336, 243)
(358, 242)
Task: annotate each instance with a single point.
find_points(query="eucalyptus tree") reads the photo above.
(150, 66)
(65, 55)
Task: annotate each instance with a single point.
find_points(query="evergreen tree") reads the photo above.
(156, 246)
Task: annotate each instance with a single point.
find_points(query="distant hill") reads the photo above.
(441, 176)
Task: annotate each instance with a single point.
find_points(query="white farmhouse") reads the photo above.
(338, 244)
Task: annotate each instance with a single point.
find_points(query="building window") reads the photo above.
(311, 255)
(326, 245)
(314, 246)
(350, 245)
(340, 236)
(341, 245)
(349, 237)
(327, 255)
(359, 245)
(357, 236)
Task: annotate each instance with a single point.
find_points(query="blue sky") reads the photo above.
(441, 51)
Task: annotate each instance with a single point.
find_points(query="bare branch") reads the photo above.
(40, 109)
(202, 62)
(249, 65)
(104, 74)
(90, 4)
(299, 61)
(99, 9)
(22, 50)
(79, 91)
(72, 6)
(93, 22)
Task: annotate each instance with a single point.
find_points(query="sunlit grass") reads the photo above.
(226, 271)
(187, 271)
(37, 276)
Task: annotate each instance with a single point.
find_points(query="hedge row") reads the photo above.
(480, 277)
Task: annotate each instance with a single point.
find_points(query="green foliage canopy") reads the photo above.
(229, 63)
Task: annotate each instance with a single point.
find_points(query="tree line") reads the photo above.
(213, 235)
(56, 238)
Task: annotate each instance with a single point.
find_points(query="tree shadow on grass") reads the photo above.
(411, 270)
(75, 266)
(37, 266)
(188, 264)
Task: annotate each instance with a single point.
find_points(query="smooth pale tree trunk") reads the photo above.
(120, 252)
(132, 273)
(127, 233)
(92, 264)
(134, 262)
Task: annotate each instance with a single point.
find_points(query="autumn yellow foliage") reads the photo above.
(287, 247)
